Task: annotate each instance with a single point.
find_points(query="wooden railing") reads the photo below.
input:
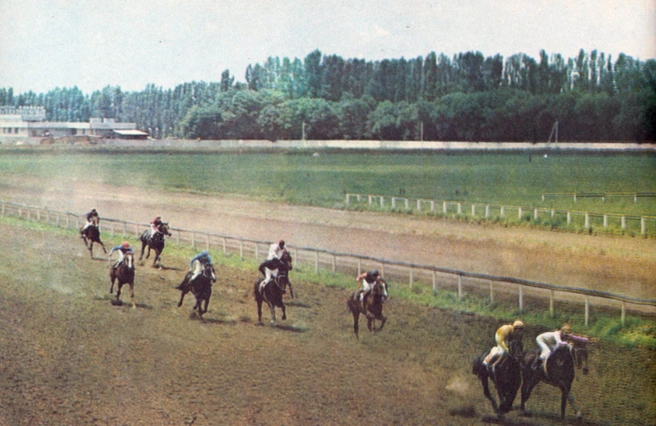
(352, 264)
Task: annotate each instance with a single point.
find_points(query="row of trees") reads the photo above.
(467, 97)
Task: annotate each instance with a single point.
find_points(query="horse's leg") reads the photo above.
(103, 246)
(181, 297)
(143, 248)
(382, 320)
(118, 290)
(259, 309)
(291, 290)
(111, 288)
(528, 383)
(273, 312)
(370, 324)
(579, 414)
(207, 303)
(488, 395)
(134, 305)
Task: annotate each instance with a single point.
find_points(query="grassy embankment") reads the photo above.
(636, 331)
(298, 177)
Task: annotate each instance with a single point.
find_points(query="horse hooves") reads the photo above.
(117, 302)
(284, 317)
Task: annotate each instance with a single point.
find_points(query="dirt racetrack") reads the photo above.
(71, 358)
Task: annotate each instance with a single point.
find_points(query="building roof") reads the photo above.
(130, 132)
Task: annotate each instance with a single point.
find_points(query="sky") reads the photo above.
(45, 44)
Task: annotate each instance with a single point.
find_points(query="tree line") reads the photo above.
(467, 97)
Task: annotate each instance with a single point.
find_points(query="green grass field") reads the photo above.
(298, 177)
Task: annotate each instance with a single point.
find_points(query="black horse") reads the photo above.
(201, 287)
(154, 242)
(558, 372)
(91, 235)
(506, 374)
(124, 273)
(273, 291)
(371, 307)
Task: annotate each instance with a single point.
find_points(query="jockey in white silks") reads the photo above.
(270, 267)
(201, 259)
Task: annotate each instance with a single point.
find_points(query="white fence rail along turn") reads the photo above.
(647, 224)
(494, 287)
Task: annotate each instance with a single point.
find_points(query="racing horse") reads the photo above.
(124, 273)
(371, 307)
(558, 371)
(201, 287)
(506, 374)
(273, 291)
(154, 242)
(91, 235)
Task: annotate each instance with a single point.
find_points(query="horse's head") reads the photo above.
(164, 228)
(380, 288)
(516, 348)
(580, 354)
(128, 260)
(286, 260)
(208, 271)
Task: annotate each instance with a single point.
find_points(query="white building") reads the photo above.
(30, 122)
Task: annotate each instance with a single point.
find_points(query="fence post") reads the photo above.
(412, 278)
(241, 249)
(519, 213)
(348, 199)
(359, 266)
(536, 215)
(605, 220)
(623, 220)
(587, 220)
(382, 269)
(136, 230)
(334, 264)
(407, 205)
(316, 262)
(587, 310)
(473, 209)
(382, 202)
(444, 207)
(502, 213)
(111, 228)
(432, 203)
(434, 283)
(225, 250)
(551, 303)
(459, 287)
(257, 252)
(623, 311)
(193, 239)
(487, 211)
(491, 291)
(521, 298)
(459, 208)
(643, 225)
(569, 218)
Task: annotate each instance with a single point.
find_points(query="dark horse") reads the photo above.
(371, 307)
(201, 287)
(273, 291)
(125, 275)
(506, 376)
(558, 372)
(155, 242)
(91, 235)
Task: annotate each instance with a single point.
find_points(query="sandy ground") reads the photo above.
(69, 357)
(621, 265)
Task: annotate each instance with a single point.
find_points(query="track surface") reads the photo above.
(70, 357)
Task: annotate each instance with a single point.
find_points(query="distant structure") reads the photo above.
(30, 122)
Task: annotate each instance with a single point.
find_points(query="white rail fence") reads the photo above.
(495, 288)
(646, 224)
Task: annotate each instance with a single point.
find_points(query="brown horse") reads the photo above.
(91, 235)
(124, 273)
(273, 291)
(201, 287)
(371, 307)
(558, 372)
(506, 376)
(154, 242)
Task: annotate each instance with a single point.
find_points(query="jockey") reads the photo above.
(550, 340)
(92, 219)
(368, 279)
(269, 268)
(155, 224)
(123, 249)
(504, 335)
(276, 250)
(203, 258)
